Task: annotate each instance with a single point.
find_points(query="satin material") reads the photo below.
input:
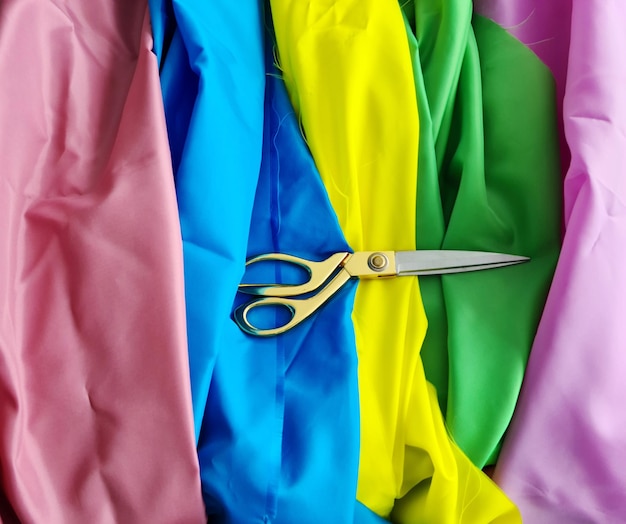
(544, 27)
(95, 417)
(348, 71)
(213, 81)
(280, 433)
(562, 459)
(489, 180)
(309, 443)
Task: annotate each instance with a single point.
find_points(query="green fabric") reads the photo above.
(489, 179)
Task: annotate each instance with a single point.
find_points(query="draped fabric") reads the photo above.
(562, 459)
(127, 392)
(347, 68)
(312, 441)
(279, 434)
(95, 411)
(544, 27)
(213, 81)
(489, 180)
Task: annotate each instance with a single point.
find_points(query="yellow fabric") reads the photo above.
(347, 68)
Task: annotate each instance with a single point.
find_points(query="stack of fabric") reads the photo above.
(150, 148)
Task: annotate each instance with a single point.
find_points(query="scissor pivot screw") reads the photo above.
(377, 261)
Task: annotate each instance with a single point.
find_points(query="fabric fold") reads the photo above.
(489, 180)
(96, 424)
(347, 68)
(543, 27)
(213, 82)
(561, 459)
(280, 415)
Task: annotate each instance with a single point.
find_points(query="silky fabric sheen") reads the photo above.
(213, 81)
(489, 180)
(95, 411)
(348, 70)
(279, 410)
(544, 27)
(563, 459)
(302, 385)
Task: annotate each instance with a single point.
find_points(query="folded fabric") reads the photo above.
(280, 432)
(213, 81)
(543, 27)
(489, 180)
(562, 459)
(347, 68)
(96, 422)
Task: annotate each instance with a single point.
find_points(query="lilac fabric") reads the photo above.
(563, 459)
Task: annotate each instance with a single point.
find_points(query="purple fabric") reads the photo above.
(564, 456)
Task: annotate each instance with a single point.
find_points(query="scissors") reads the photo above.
(328, 276)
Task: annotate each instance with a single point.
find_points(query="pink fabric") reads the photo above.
(95, 410)
(564, 457)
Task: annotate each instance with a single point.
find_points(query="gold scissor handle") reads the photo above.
(319, 272)
(300, 308)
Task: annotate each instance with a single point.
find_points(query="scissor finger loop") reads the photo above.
(291, 305)
(318, 273)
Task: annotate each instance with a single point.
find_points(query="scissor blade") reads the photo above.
(441, 262)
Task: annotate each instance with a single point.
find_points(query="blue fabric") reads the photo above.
(213, 82)
(283, 411)
(278, 417)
